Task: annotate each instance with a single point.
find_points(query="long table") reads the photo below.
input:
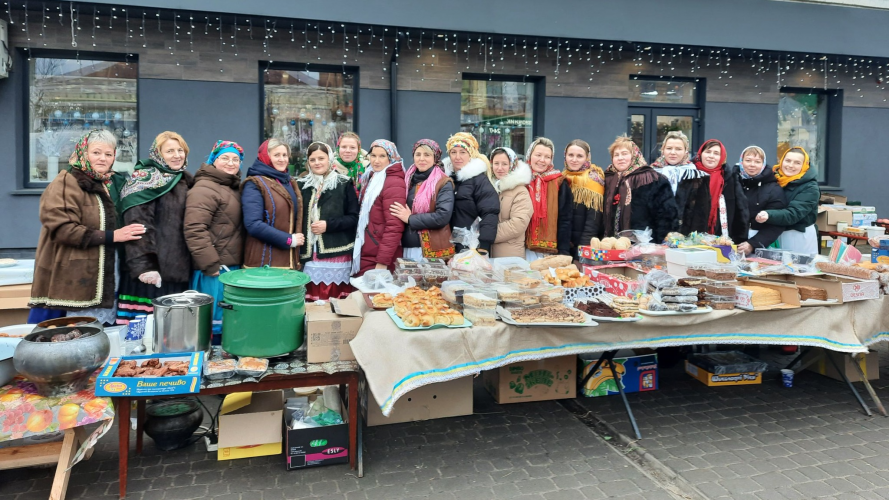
(396, 362)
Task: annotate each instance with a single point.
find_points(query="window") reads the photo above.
(301, 107)
(802, 121)
(500, 112)
(658, 106)
(69, 97)
(647, 90)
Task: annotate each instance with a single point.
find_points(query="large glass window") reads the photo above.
(301, 107)
(802, 121)
(663, 91)
(498, 113)
(69, 97)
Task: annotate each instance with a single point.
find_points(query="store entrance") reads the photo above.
(647, 126)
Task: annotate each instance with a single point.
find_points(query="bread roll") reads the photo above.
(551, 261)
(608, 243)
(595, 243)
(623, 243)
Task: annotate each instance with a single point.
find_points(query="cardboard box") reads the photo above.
(833, 199)
(250, 425)
(842, 288)
(330, 327)
(879, 255)
(789, 295)
(678, 259)
(542, 380)
(869, 363)
(316, 446)
(606, 276)
(711, 380)
(638, 373)
(444, 399)
(9, 317)
(14, 304)
(586, 252)
(828, 218)
(109, 385)
(867, 219)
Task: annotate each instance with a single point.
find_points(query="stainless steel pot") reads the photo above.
(183, 322)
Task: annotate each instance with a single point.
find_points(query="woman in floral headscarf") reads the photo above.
(74, 268)
(350, 160)
(511, 179)
(636, 196)
(155, 196)
(428, 206)
(587, 183)
(475, 198)
(550, 229)
(378, 238)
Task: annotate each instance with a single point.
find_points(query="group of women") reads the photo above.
(110, 244)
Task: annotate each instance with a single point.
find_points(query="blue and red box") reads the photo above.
(109, 385)
(638, 373)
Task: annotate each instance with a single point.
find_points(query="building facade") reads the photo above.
(765, 72)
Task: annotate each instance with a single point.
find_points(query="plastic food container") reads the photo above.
(480, 298)
(246, 366)
(452, 290)
(220, 369)
(722, 273)
(725, 289)
(406, 264)
(551, 295)
(697, 270)
(720, 303)
(434, 276)
(480, 317)
(507, 293)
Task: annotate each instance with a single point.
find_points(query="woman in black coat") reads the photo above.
(725, 188)
(587, 182)
(474, 194)
(763, 193)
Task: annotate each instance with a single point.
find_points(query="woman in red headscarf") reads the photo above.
(729, 214)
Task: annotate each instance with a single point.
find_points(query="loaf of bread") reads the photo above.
(551, 261)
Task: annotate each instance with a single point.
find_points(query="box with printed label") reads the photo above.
(540, 380)
(250, 425)
(879, 255)
(618, 279)
(714, 380)
(316, 446)
(863, 219)
(107, 384)
(638, 373)
(828, 218)
(330, 328)
(591, 254)
(744, 298)
(452, 398)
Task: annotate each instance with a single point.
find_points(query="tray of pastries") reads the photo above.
(417, 309)
(546, 315)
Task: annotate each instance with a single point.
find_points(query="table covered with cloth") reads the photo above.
(396, 362)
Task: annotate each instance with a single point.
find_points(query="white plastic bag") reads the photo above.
(469, 259)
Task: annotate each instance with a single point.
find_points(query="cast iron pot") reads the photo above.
(59, 322)
(61, 368)
(171, 423)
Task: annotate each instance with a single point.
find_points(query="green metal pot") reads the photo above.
(264, 311)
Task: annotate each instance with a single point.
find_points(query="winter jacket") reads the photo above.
(338, 207)
(475, 198)
(74, 264)
(436, 219)
(272, 208)
(691, 189)
(382, 236)
(802, 203)
(763, 193)
(162, 247)
(651, 203)
(737, 211)
(586, 223)
(214, 227)
(515, 212)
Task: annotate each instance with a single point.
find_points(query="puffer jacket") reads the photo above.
(214, 227)
(763, 193)
(474, 198)
(515, 212)
(382, 236)
(436, 219)
(802, 203)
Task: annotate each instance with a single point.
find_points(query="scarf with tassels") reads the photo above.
(717, 180)
(619, 188)
(783, 179)
(587, 184)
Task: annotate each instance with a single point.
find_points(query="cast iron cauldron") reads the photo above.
(60, 368)
(171, 423)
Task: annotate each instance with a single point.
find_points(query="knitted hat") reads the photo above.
(223, 147)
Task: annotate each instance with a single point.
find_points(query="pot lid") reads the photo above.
(189, 298)
(264, 277)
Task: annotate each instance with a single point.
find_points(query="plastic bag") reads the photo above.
(469, 259)
(324, 411)
(642, 244)
(377, 279)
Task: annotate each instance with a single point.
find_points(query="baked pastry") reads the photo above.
(248, 363)
(625, 306)
(556, 313)
(623, 243)
(599, 309)
(811, 292)
(762, 296)
(607, 243)
(551, 261)
(479, 301)
(382, 300)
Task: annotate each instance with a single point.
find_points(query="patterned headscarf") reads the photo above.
(223, 147)
(423, 198)
(717, 178)
(743, 173)
(538, 188)
(468, 142)
(638, 161)
(79, 159)
(354, 169)
(513, 157)
(152, 178)
(436, 150)
(389, 147)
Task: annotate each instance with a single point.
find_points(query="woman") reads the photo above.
(587, 183)
(474, 195)
(159, 263)
(378, 238)
(429, 204)
(691, 185)
(512, 178)
(638, 197)
(272, 207)
(800, 184)
(350, 159)
(728, 212)
(330, 216)
(549, 231)
(763, 193)
(74, 267)
(214, 228)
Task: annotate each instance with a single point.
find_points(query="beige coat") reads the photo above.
(515, 213)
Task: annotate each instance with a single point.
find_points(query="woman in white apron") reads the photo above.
(800, 184)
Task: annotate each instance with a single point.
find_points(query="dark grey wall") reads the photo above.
(426, 115)
(373, 116)
(203, 113)
(772, 25)
(597, 121)
(742, 125)
(864, 168)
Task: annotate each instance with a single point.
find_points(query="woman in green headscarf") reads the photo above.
(350, 160)
(159, 263)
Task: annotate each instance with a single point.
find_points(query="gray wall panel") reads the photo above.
(426, 115)
(373, 116)
(597, 121)
(203, 113)
(864, 167)
(742, 125)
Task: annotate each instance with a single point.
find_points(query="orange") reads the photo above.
(95, 406)
(68, 415)
(38, 421)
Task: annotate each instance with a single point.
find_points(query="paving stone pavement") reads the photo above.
(763, 441)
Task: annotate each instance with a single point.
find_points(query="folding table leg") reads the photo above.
(802, 352)
(852, 387)
(866, 382)
(620, 389)
(596, 366)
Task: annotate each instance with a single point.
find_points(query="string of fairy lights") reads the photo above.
(311, 43)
